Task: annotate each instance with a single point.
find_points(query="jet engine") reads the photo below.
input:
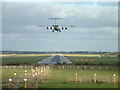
(47, 27)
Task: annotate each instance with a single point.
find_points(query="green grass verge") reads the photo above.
(22, 59)
(96, 60)
(9, 72)
(79, 85)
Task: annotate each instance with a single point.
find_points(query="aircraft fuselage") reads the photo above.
(56, 28)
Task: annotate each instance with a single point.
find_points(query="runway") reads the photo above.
(55, 59)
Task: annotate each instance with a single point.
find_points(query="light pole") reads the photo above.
(76, 77)
(25, 73)
(114, 78)
(33, 72)
(36, 79)
(25, 85)
(95, 78)
(41, 70)
(10, 81)
(36, 74)
(38, 71)
(15, 74)
(44, 70)
(25, 70)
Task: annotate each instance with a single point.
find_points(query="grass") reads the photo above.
(75, 58)
(9, 72)
(82, 55)
(87, 73)
(78, 85)
(58, 76)
(22, 59)
(95, 60)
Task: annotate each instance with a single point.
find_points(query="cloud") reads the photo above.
(93, 24)
(32, 28)
(83, 15)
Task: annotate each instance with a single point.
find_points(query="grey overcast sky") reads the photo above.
(96, 26)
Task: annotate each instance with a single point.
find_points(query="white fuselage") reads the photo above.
(56, 28)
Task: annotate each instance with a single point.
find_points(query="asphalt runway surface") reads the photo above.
(55, 59)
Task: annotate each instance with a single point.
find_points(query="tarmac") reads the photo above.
(54, 59)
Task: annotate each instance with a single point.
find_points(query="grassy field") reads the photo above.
(9, 71)
(92, 55)
(58, 77)
(59, 74)
(75, 58)
(93, 60)
(22, 59)
(78, 85)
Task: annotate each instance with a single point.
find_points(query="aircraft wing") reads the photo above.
(42, 26)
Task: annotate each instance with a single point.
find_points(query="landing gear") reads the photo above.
(52, 30)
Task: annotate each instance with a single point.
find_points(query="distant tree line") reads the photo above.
(58, 52)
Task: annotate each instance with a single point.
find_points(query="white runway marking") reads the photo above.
(54, 59)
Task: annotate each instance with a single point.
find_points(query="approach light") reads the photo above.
(10, 79)
(25, 79)
(15, 74)
(114, 74)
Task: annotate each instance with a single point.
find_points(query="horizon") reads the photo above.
(55, 51)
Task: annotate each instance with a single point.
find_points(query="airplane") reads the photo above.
(56, 27)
